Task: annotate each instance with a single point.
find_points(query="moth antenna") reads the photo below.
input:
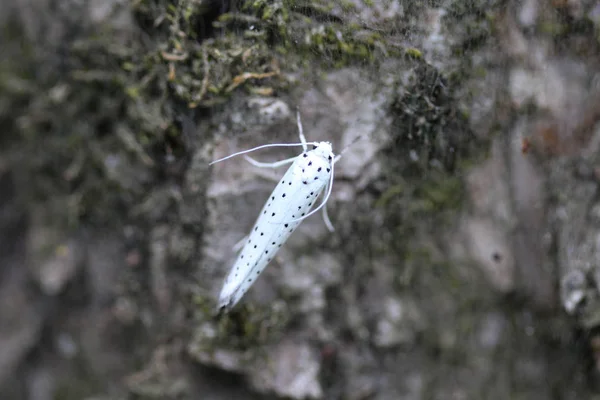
(301, 131)
(264, 146)
(356, 139)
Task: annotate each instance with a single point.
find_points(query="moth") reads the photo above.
(310, 174)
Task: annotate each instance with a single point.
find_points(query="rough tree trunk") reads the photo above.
(464, 264)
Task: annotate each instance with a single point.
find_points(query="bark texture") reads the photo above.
(464, 264)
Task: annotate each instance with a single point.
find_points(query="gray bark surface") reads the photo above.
(465, 260)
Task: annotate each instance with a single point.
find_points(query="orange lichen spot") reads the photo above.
(525, 145)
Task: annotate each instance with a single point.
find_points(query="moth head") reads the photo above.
(323, 149)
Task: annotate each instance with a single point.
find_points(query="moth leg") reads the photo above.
(326, 219)
(301, 131)
(238, 246)
(269, 165)
(328, 223)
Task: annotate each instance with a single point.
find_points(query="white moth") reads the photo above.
(291, 201)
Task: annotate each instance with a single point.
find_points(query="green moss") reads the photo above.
(347, 5)
(67, 130)
(245, 327)
(207, 73)
(432, 144)
(391, 192)
(438, 193)
(72, 390)
(414, 53)
(475, 22)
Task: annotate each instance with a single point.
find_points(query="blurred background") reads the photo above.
(465, 260)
